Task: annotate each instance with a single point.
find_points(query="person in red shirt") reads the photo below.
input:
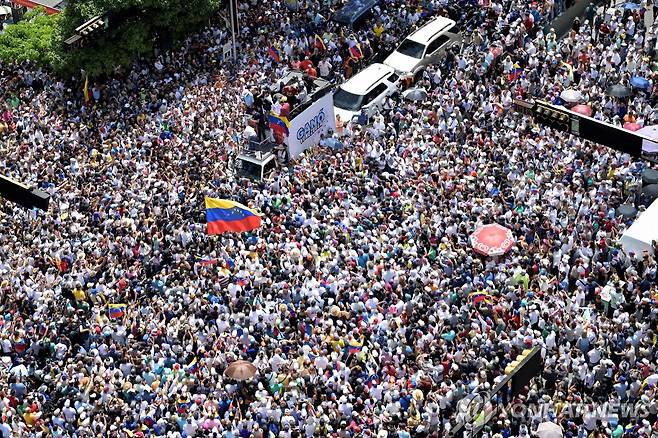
(529, 22)
(306, 64)
(312, 72)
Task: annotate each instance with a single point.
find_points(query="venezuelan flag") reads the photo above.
(319, 43)
(354, 348)
(223, 215)
(183, 404)
(193, 366)
(480, 297)
(116, 310)
(19, 344)
(516, 73)
(279, 123)
(356, 52)
(274, 53)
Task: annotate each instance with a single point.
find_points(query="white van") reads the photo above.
(425, 46)
(366, 90)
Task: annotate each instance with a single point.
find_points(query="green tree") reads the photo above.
(31, 39)
(135, 28)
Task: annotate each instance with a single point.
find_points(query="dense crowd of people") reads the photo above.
(353, 298)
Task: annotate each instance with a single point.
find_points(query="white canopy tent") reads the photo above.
(642, 232)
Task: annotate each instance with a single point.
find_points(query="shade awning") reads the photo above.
(51, 7)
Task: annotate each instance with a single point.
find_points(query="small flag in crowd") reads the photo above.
(356, 52)
(319, 43)
(86, 90)
(116, 310)
(274, 53)
(183, 403)
(354, 347)
(19, 344)
(516, 73)
(224, 215)
(193, 366)
(204, 262)
(208, 261)
(480, 297)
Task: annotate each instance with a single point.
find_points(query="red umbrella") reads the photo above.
(585, 110)
(632, 126)
(492, 240)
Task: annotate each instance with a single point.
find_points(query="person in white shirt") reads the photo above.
(324, 68)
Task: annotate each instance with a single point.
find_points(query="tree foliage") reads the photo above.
(31, 39)
(135, 29)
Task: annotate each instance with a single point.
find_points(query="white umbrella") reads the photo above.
(19, 371)
(572, 96)
(652, 133)
(549, 429)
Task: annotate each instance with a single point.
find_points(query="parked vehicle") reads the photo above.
(366, 91)
(425, 46)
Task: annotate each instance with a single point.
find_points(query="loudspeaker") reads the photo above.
(22, 195)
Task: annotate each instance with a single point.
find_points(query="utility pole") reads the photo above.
(233, 17)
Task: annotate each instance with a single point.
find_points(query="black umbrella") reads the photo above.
(650, 191)
(619, 90)
(627, 211)
(415, 94)
(650, 176)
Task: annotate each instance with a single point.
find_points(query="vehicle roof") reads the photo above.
(354, 9)
(366, 79)
(425, 33)
(261, 162)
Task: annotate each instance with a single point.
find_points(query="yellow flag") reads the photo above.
(86, 90)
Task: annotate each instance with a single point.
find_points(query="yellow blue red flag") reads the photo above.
(116, 310)
(193, 366)
(478, 297)
(279, 123)
(224, 215)
(356, 52)
(515, 73)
